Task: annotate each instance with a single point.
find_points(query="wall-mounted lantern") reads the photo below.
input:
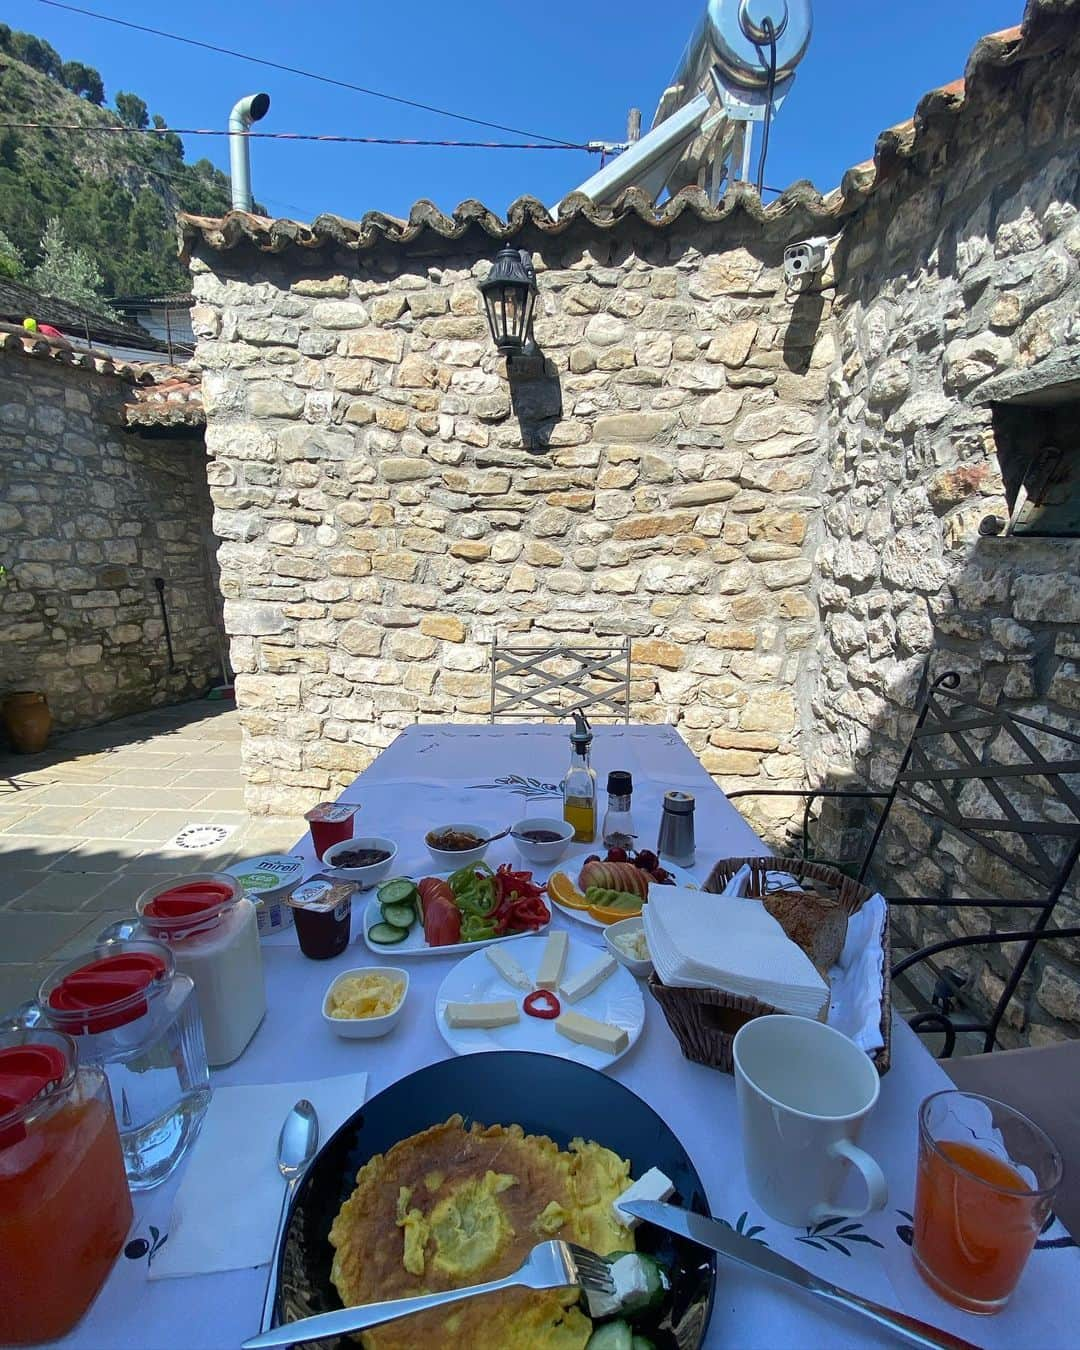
(509, 292)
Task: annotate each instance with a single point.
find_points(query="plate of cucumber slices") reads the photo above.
(392, 920)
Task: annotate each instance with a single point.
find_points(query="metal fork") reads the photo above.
(550, 1265)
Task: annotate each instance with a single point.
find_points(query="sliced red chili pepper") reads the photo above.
(542, 1003)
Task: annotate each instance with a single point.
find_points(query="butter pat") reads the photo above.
(553, 962)
(576, 1026)
(482, 1014)
(585, 981)
(652, 1185)
(508, 968)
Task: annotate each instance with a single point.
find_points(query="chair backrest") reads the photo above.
(981, 828)
(543, 682)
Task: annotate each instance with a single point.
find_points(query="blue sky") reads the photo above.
(563, 68)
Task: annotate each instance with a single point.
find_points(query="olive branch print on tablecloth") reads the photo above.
(826, 1236)
(521, 787)
(139, 1247)
(739, 1226)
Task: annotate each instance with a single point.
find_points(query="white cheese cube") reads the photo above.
(573, 987)
(584, 1030)
(652, 1185)
(482, 1014)
(553, 961)
(631, 1287)
(508, 968)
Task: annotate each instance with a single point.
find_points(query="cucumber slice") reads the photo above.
(611, 1336)
(399, 914)
(386, 934)
(642, 1343)
(657, 1282)
(399, 891)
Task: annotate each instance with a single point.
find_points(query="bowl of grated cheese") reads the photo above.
(367, 1002)
(628, 945)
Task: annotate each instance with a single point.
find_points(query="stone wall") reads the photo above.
(388, 499)
(965, 268)
(89, 515)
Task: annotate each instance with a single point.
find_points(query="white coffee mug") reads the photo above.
(804, 1091)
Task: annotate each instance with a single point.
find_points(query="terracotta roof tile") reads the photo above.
(801, 209)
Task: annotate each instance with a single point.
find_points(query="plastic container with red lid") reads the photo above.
(134, 1015)
(330, 823)
(65, 1207)
(212, 930)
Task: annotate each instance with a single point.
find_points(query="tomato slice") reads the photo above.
(442, 923)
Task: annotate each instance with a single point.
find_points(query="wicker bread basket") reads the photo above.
(705, 1020)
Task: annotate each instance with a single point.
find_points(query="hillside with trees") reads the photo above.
(93, 211)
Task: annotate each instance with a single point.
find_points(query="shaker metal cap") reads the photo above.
(679, 803)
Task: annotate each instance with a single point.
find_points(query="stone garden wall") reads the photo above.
(962, 271)
(89, 515)
(388, 500)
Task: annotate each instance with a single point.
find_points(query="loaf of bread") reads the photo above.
(817, 923)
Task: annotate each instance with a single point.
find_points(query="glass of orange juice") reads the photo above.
(986, 1181)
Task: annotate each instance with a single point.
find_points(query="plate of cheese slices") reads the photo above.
(555, 994)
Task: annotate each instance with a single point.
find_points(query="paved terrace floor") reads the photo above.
(84, 828)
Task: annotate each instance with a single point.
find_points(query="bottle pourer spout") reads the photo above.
(582, 732)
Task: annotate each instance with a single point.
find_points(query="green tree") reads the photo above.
(11, 259)
(67, 272)
(36, 52)
(132, 110)
(84, 81)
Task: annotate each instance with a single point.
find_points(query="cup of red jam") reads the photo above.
(322, 912)
(330, 823)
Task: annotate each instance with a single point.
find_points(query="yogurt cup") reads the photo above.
(268, 881)
(330, 823)
(322, 912)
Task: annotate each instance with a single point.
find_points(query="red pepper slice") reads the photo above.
(542, 1003)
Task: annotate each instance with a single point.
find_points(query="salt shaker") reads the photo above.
(676, 840)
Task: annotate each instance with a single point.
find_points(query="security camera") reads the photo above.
(805, 258)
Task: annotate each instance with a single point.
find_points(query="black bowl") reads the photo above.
(544, 1095)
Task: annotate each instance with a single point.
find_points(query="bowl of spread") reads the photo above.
(363, 861)
(541, 839)
(364, 1003)
(454, 846)
(268, 881)
(322, 911)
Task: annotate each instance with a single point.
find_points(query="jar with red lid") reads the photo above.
(65, 1207)
(134, 1015)
(211, 928)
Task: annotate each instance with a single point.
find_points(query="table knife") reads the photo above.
(718, 1237)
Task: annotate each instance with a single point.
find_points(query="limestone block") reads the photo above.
(343, 314)
(721, 408)
(521, 579)
(633, 426)
(373, 344)
(969, 360)
(1059, 993)
(250, 618)
(652, 349)
(654, 652)
(427, 304)
(768, 710)
(446, 626)
(335, 287)
(387, 308)
(405, 469)
(702, 494)
(732, 346)
(1051, 597)
(889, 383)
(539, 554)
(605, 330)
(391, 418)
(737, 272)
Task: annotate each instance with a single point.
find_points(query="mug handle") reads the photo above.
(877, 1190)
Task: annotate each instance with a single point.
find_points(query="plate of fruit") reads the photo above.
(612, 886)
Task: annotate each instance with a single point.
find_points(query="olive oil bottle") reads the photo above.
(579, 784)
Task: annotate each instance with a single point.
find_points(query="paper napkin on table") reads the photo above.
(700, 941)
(226, 1210)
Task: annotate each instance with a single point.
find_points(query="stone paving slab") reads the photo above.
(83, 823)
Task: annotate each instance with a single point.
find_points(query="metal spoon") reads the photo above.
(297, 1143)
(501, 835)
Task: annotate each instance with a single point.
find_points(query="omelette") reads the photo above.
(450, 1207)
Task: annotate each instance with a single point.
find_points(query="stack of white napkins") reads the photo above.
(702, 941)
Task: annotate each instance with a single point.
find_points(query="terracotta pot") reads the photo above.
(28, 721)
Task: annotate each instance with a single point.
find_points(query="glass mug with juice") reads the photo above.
(985, 1183)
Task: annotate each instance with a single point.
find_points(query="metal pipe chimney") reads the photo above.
(251, 108)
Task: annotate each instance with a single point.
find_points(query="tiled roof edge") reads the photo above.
(1047, 24)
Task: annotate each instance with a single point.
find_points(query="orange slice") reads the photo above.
(563, 891)
(603, 915)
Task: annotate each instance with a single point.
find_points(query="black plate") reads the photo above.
(544, 1095)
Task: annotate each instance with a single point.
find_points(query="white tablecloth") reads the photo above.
(429, 775)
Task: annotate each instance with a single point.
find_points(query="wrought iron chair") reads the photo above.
(980, 779)
(550, 681)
